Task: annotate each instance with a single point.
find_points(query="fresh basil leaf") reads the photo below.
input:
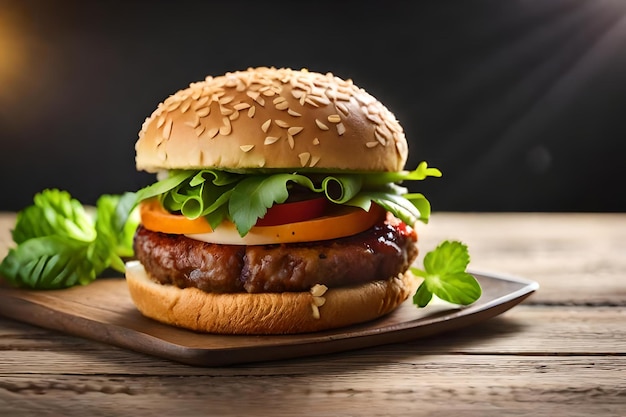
(59, 245)
(116, 222)
(49, 262)
(447, 259)
(445, 275)
(422, 296)
(53, 212)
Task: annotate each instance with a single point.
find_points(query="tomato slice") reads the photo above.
(343, 221)
(154, 217)
(294, 212)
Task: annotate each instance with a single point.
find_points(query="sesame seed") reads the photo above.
(318, 301)
(241, 106)
(341, 129)
(380, 138)
(342, 96)
(321, 125)
(173, 106)
(315, 311)
(199, 130)
(284, 105)
(204, 111)
(226, 127)
(251, 112)
(334, 118)
(160, 121)
(371, 144)
(319, 99)
(294, 130)
(311, 102)
(293, 113)
(290, 141)
(167, 128)
(252, 94)
(400, 147)
(314, 161)
(193, 123)
(201, 102)
(316, 141)
(373, 118)
(282, 123)
(270, 139)
(185, 106)
(226, 100)
(342, 108)
(234, 116)
(266, 125)
(246, 148)
(225, 111)
(212, 132)
(304, 158)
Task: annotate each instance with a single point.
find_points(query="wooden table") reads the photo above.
(559, 353)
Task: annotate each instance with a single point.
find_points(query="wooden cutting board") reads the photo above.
(103, 311)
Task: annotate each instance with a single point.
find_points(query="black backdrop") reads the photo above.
(520, 103)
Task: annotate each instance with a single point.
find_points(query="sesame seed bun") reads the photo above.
(265, 313)
(274, 119)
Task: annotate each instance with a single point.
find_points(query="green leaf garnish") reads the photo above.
(54, 212)
(445, 276)
(59, 245)
(244, 198)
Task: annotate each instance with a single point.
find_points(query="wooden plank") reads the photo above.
(560, 353)
(103, 311)
(577, 259)
(523, 331)
(482, 385)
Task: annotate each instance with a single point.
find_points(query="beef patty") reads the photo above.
(385, 250)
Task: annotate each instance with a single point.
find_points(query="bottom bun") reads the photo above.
(265, 313)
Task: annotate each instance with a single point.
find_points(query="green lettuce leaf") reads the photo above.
(244, 198)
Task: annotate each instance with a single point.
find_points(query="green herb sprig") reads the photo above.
(445, 276)
(59, 244)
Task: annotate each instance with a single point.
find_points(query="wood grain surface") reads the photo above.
(560, 353)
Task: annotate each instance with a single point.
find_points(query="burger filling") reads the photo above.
(383, 251)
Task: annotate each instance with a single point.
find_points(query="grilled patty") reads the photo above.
(383, 251)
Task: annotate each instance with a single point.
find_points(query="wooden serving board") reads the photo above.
(103, 311)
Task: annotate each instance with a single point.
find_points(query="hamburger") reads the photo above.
(278, 206)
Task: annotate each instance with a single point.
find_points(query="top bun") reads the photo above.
(272, 119)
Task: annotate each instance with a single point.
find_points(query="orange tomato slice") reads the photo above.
(345, 221)
(154, 217)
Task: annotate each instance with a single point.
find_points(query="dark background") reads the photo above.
(521, 104)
